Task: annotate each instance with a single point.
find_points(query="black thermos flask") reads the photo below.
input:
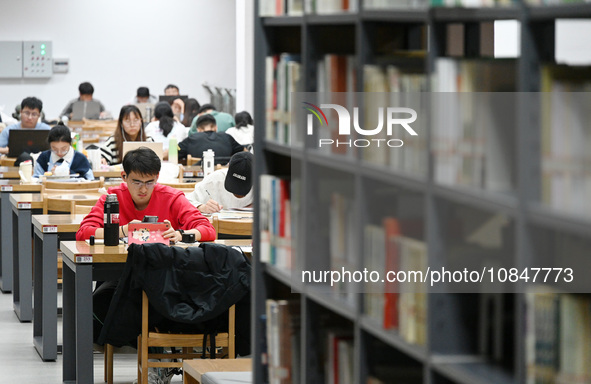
(111, 220)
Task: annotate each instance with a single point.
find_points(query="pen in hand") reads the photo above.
(219, 207)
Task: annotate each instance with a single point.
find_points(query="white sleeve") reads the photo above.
(199, 195)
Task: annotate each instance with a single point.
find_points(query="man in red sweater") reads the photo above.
(140, 195)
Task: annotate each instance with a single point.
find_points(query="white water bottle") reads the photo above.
(208, 162)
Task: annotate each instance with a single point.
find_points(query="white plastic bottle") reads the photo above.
(208, 162)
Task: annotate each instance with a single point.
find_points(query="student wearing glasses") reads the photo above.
(130, 127)
(139, 195)
(31, 108)
(60, 142)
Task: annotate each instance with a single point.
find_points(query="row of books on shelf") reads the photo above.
(558, 337)
(473, 125)
(281, 351)
(270, 8)
(566, 139)
(277, 214)
(390, 304)
(282, 76)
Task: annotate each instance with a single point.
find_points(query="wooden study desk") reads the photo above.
(9, 173)
(7, 187)
(48, 230)
(22, 291)
(84, 264)
(194, 369)
(107, 173)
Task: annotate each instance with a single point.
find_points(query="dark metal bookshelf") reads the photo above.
(449, 355)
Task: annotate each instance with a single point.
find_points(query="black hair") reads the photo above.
(243, 119)
(206, 107)
(143, 161)
(59, 133)
(191, 110)
(206, 119)
(143, 92)
(32, 103)
(86, 89)
(163, 112)
(169, 86)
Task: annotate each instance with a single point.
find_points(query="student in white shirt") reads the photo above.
(227, 187)
(243, 132)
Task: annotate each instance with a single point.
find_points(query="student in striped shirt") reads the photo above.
(130, 127)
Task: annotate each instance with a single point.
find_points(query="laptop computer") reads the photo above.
(27, 140)
(170, 99)
(131, 145)
(86, 110)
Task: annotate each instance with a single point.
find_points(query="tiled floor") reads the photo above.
(21, 364)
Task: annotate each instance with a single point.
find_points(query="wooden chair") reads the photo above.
(56, 201)
(68, 186)
(233, 227)
(77, 208)
(187, 343)
(192, 160)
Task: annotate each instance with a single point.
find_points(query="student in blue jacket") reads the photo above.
(60, 142)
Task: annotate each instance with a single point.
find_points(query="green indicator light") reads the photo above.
(42, 46)
(42, 53)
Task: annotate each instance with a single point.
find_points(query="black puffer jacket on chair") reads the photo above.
(188, 290)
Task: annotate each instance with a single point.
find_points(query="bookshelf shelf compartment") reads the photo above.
(328, 300)
(394, 178)
(475, 373)
(443, 14)
(341, 163)
(336, 19)
(478, 199)
(393, 339)
(568, 11)
(282, 21)
(402, 15)
(283, 150)
(282, 275)
(549, 218)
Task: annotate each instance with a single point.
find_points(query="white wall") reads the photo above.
(120, 45)
(245, 56)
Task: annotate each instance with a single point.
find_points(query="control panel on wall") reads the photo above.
(37, 59)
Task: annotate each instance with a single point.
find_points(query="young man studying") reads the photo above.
(31, 108)
(140, 195)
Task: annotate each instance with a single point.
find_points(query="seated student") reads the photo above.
(191, 109)
(31, 108)
(227, 187)
(140, 195)
(142, 95)
(223, 145)
(129, 128)
(60, 142)
(178, 105)
(86, 91)
(243, 132)
(223, 120)
(165, 127)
